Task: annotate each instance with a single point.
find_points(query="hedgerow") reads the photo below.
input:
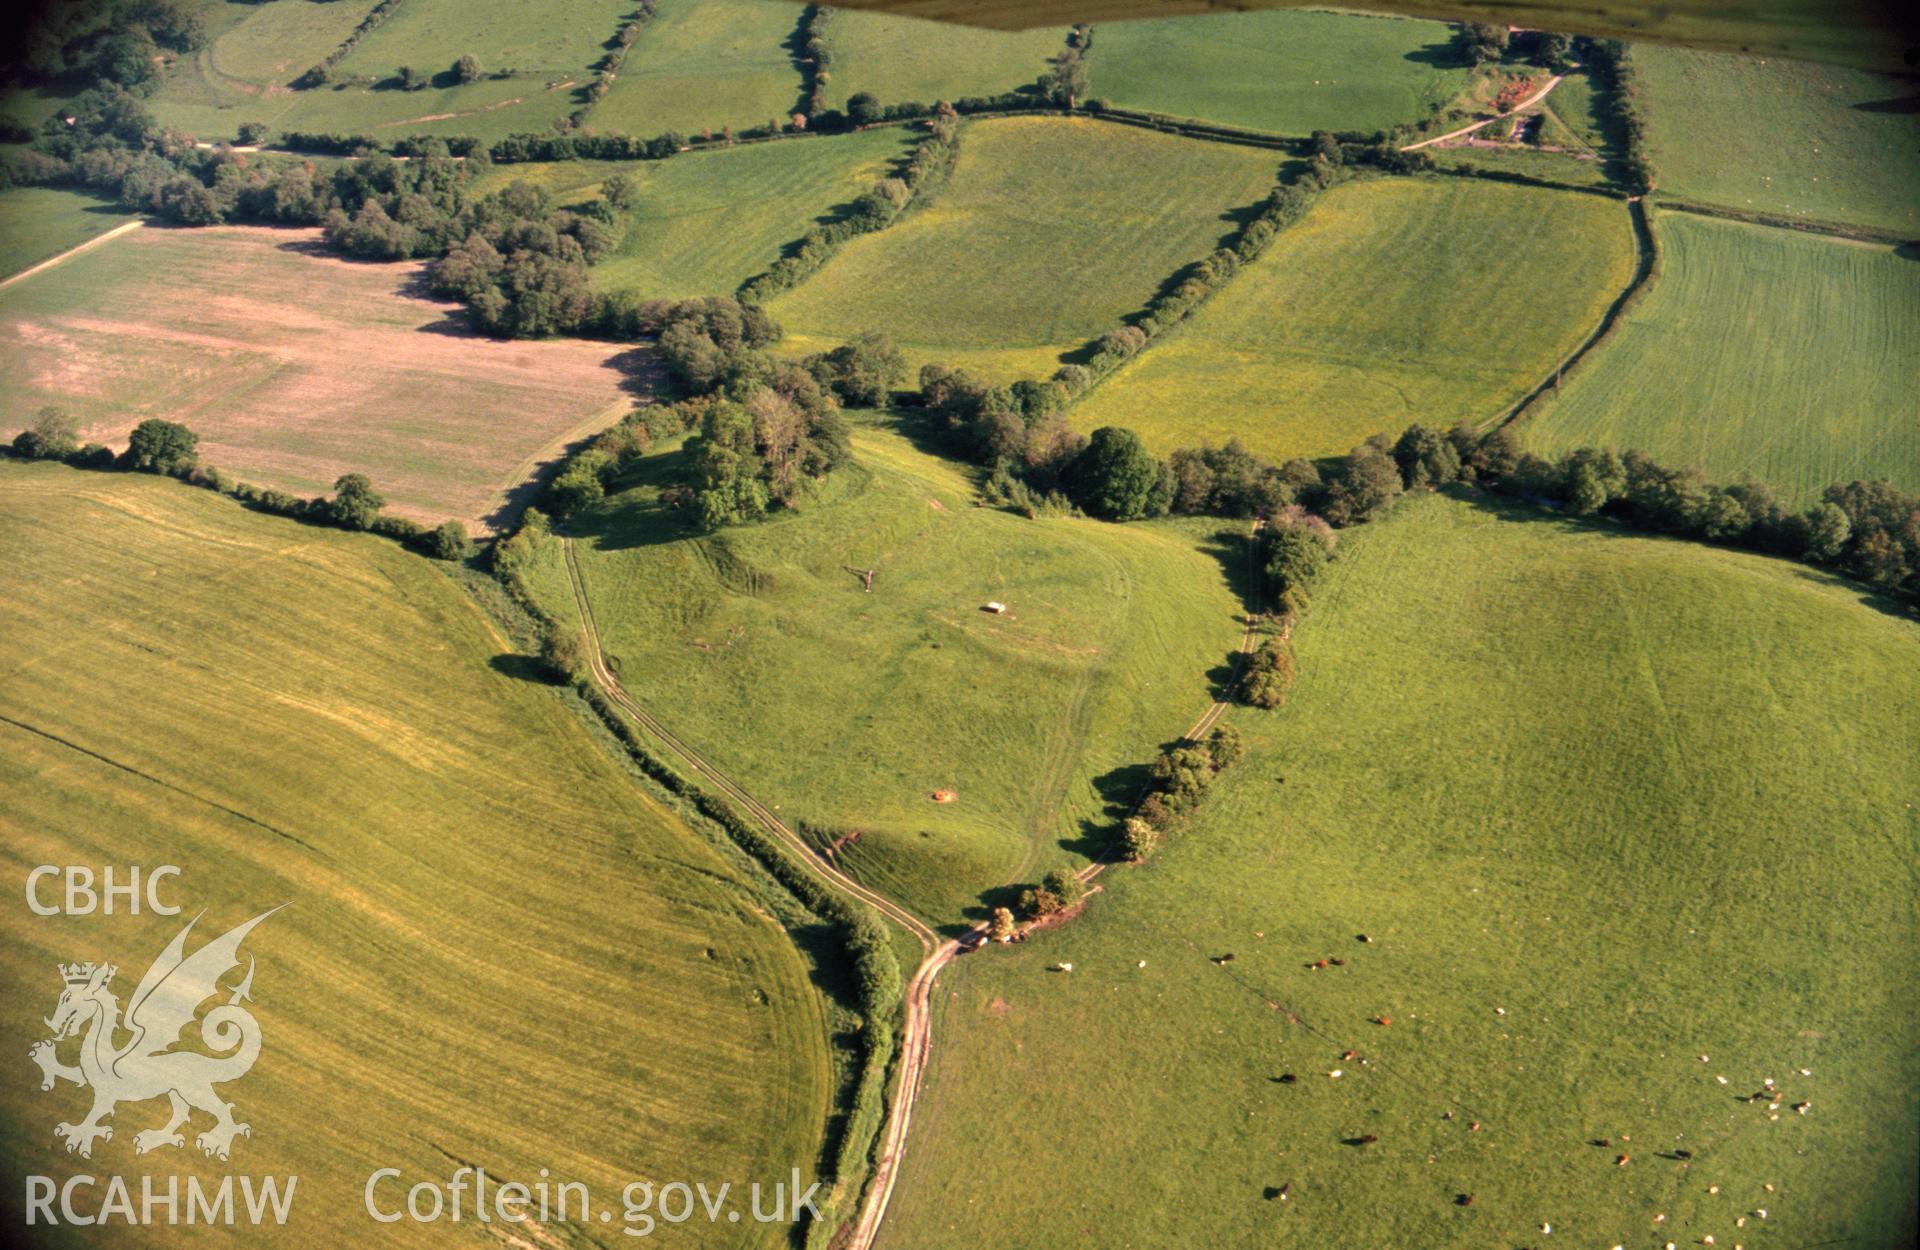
(816, 60)
(1612, 62)
(322, 73)
(922, 174)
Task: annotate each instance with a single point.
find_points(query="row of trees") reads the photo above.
(917, 178)
(816, 60)
(1868, 530)
(1483, 43)
(1624, 106)
(172, 449)
(121, 44)
(322, 73)
(1177, 781)
(1020, 428)
(608, 67)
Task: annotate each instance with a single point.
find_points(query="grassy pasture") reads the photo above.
(1576, 102)
(1787, 137)
(1560, 167)
(1650, 800)
(1758, 351)
(704, 64)
(902, 59)
(295, 367)
(1392, 301)
(1287, 72)
(291, 714)
(39, 223)
(849, 709)
(257, 49)
(706, 222)
(253, 51)
(1049, 232)
(550, 50)
(1807, 28)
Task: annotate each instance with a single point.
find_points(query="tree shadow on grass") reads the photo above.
(637, 514)
(1908, 104)
(1233, 548)
(922, 430)
(1439, 55)
(832, 973)
(639, 370)
(524, 667)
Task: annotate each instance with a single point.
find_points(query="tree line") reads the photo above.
(171, 449)
(1868, 531)
(815, 58)
(916, 178)
(120, 44)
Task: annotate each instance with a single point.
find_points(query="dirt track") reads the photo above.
(916, 1038)
(1516, 110)
(89, 245)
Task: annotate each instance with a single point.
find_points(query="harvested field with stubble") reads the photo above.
(295, 367)
(293, 714)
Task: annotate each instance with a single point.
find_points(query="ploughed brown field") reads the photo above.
(295, 367)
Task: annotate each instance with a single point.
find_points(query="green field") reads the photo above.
(1560, 167)
(1605, 805)
(1292, 73)
(848, 709)
(253, 52)
(256, 50)
(298, 715)
(1437, 301)
(1046, 236)
(38, 223)
(1787, 137)
(902, 60)
(706, 222)
(1761, 352)
(1576, 103)
(703, 65)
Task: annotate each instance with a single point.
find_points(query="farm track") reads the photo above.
(1515, 111)
(916, 1042)
(71, 252)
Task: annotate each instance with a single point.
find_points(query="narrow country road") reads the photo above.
(71, 252)
(1521, 107)
(916, 1036)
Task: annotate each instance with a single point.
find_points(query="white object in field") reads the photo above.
(995, 607)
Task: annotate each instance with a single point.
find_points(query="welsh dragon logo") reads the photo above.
(146, 1066)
